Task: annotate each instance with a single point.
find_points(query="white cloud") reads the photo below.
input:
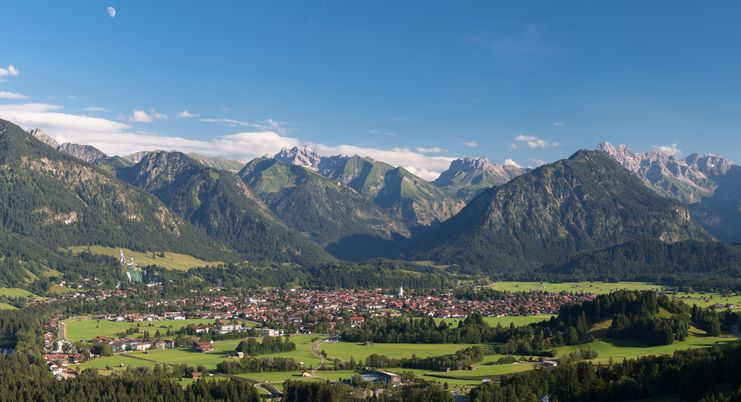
(95, 109)
(470, 144)
(10, 71)
(537, 162)
(186, 115)
(12, 95)
(671, 150)
(431, 150)
(426, 166)
(559, 124)
(532, 142)
(510, 162)
(227, 122)
(120, 138)
(140, 116)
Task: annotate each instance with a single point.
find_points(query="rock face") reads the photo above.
(87, 153)
(586, 202)
(468, 177)
(688, 180)
(300, 156)
(43, 137)
(221, 204)
(217, 162)
(406, 198)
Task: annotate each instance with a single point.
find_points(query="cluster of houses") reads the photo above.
(290, 308)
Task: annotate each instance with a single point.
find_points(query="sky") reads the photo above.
(413, 83)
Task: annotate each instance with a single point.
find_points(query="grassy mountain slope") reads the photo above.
(308, 202)
(59, 201)
(404, 196)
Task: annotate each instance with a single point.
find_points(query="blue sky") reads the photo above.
(415, 83)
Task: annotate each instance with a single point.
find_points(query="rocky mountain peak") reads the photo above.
(87, 153)
(301, 156)
(687, 180)
(43, 137)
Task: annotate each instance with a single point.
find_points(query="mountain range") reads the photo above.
(304, 208)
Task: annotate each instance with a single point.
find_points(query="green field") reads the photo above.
(16, 292)
(518, 320)
(587, 287)
(6, 306)
(85, 328)
(345, 350)
(221, 352)
(619, 350)
(174, 261)
(708, 299)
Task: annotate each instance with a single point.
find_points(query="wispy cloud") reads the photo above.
(537, 162)
(12, 95)
(186, 115)
(96, 109)
(470, 143)
(140, 116)
(121, 138)
(431, 150)
(9, 71)
(514, 46)
(268, 125)
(532, 142)
(671, 150)
(559, 124)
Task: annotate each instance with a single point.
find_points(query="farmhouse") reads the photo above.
(204, 347)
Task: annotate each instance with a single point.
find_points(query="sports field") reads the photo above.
(174, 261)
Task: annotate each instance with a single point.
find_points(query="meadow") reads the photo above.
(358, 351)
(169, 260)
(617, 350)
(17, 292)
(86, 328)
(517, 320)
(586, 287)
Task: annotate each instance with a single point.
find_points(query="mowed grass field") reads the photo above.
(345, 350)
(587, 287)
(174, 261)
(86, 328)
(221, 352)
(518, 320)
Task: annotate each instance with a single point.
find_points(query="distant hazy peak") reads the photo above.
(686, 179)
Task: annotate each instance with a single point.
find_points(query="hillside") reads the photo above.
(59, 201)
(720, 214)
(331, 214)
(585, 202)
(468, 177)
(219, 203)
(404, 196)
